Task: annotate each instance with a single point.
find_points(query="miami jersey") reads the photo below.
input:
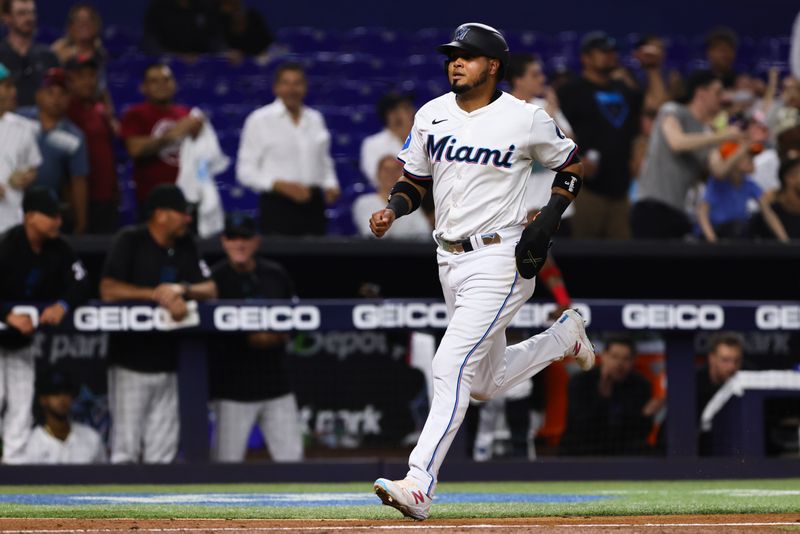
(481, 158)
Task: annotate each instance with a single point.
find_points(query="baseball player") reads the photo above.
(473, 149)
(36, 264)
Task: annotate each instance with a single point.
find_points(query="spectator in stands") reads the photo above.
(786, 204)
(609, 407)
(154, 262)
(19, 153)
(724, 360)
(65, 163)
(244, 29)
(57, 439)
(784, 118)
(721, 44)
(284, 154)
(153, 130)
(81, 41)
(525, 76)
(27, 60)
(397, 115)
(36, 265)
(248, 379)
(604, 114)
(723, 212)
(657, 85)
(185, 27)
(414, 226)
(92, 117)
(678, 156)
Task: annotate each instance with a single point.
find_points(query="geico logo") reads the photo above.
(276, 318)
(121, 319)
(673, 316)
(396, 315)
(538, 315)
(773, 317)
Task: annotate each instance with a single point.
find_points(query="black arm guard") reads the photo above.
(399, 197)
(531, 251)
(568, 181)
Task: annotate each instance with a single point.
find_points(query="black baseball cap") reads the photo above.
(166, 196)
(239, 225)
(41, 199)
(53, 382)
(598, 41)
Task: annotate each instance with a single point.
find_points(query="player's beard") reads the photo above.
(483, 77)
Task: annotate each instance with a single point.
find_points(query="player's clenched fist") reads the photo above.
(381, 221)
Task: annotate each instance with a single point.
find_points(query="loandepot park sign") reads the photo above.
(417, 314)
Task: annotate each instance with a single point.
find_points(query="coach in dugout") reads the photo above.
(36, 265)
(248, 379)
(158, 262)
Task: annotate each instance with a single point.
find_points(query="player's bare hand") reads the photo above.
(381, 221)
(53, 314)
(21, 322)
(22, 179)
(178, 309)
(165, 294)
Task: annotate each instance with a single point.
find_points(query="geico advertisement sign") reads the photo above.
(132, 318)
(275, 318)
(772, 317)
(538, 315)
(400, 315)
(673, 316)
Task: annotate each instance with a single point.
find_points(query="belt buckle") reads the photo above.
(453, 247)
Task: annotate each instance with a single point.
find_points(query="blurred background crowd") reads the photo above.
(682, 137)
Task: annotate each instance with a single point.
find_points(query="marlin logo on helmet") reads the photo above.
(461, 33)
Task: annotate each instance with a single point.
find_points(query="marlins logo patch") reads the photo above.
(461, 33)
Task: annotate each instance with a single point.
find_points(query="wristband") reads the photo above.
(63, 304)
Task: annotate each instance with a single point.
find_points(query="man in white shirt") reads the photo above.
(19, 153)
(284, 154)
(397, 114)
(58, 440)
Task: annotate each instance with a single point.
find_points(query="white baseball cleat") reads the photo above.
(582, 350)
(404, 495)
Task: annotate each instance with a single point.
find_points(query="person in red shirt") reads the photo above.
(94, 118)
(153, 130)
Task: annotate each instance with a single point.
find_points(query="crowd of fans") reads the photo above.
(708, 154)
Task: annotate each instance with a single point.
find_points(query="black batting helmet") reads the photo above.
(481, 40)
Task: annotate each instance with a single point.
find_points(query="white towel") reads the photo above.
(201, 159)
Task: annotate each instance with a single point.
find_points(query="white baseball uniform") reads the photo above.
(82, 446)
(479, 163)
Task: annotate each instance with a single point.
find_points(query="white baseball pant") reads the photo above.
(483, 292)
(145, 424)
(279, 420)
(17, 375)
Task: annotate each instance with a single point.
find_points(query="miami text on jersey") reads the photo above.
(484, 156)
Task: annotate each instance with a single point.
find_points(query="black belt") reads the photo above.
(465, 245)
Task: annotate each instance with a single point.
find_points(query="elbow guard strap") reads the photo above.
(568, 181)
(399, 197)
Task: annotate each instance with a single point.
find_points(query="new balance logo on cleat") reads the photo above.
(405, 496)
(582, 350)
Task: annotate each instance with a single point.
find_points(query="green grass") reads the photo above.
(628, 498)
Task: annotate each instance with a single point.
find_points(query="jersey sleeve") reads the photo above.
(548, 144)
(415, 160)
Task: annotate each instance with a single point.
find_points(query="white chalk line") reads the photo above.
(402, 527)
